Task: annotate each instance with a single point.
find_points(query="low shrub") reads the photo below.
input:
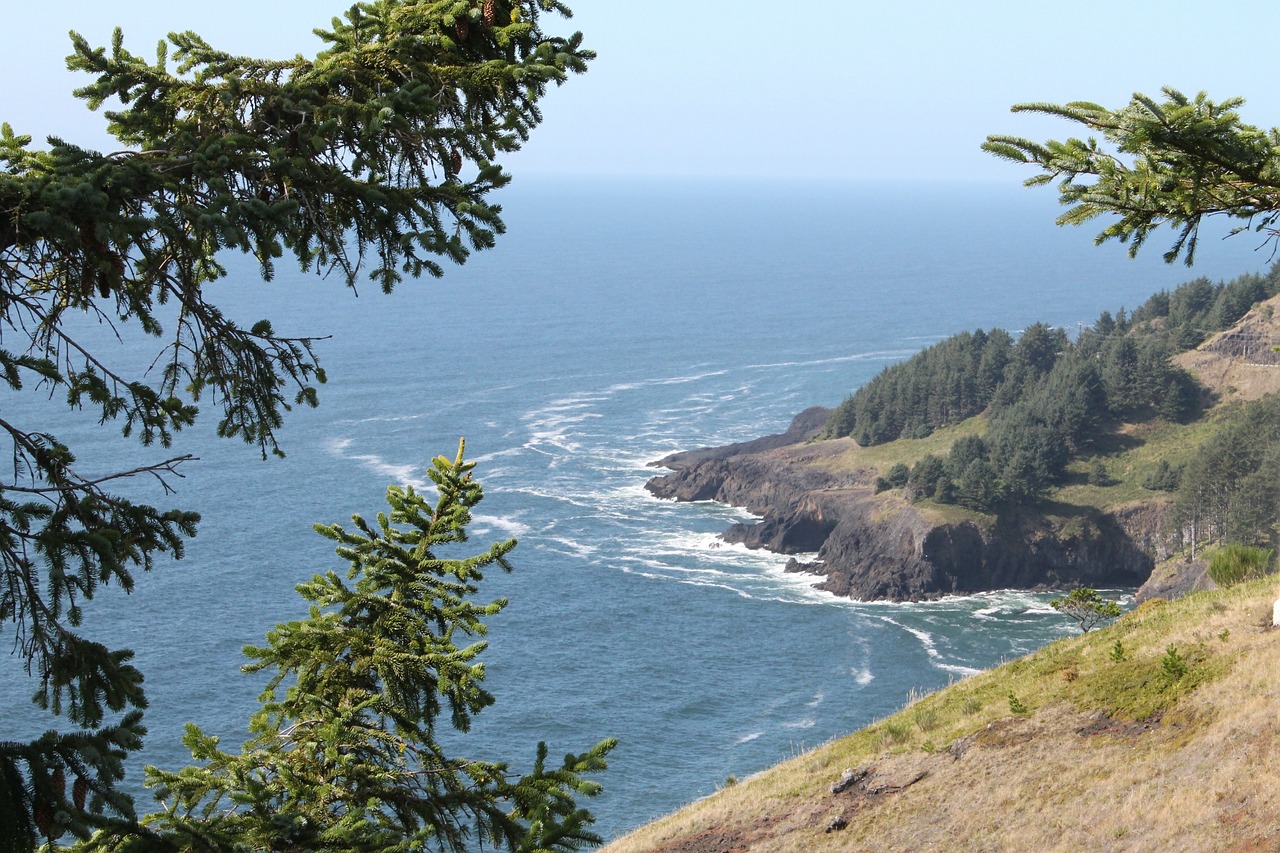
(1237, 563)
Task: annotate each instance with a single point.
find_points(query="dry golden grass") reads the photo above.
(1112, 753)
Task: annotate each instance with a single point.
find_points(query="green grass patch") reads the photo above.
(1083, 671)
(1139, 688)
(882, 457)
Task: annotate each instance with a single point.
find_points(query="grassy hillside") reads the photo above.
(1106, 741)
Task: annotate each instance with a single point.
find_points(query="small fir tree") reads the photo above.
(343, 754)
(1086, 607)
(1173, 666)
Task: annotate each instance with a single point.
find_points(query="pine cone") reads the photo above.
(463, 29)
(79, 793)
(488, 12)
(60, 783)
(455, 161)
(88, 281)
(43, 817)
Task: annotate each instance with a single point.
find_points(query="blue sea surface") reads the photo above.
(614, 323)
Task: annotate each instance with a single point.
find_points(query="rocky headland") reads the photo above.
(817, 501)
(818, 504)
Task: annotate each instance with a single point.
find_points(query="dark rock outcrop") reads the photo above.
(879, 546)
(1176, 578)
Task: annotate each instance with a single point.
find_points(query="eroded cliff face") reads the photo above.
(871, 546)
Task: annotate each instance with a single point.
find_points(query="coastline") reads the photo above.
(880, 547)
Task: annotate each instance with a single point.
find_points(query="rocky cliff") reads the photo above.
(879, 546)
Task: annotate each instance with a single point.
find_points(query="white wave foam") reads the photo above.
(386, 419)
(509, 525)
(575, 548)
(748, 738)
(958, 669)
(874, 355)
(862, 675)
(497, 454)
(931, 650)
(581, 501)
(816, 700)
(925, 638)
(692, 377)
(706, 584)
(637, 384)
(554, 438)
(1001, 598)
(400, 474)
(806, 723)
(674, 571)
(631, 460)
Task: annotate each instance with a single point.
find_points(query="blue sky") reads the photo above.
(765, 90)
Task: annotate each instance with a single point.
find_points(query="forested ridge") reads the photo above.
(1048, 399)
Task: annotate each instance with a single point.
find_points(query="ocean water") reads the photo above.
(614, 324)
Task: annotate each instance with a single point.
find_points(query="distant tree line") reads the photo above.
(943, 384)
(1047, 398)
(1229, 491)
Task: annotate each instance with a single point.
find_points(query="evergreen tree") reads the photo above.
(1120, 374)
(1164, 478)
(1106, 324)
(1228, 489)
(926, 476)
(994, 360)
(1189, 308)
(977, 487)
(965, 451)
(898, 475)
(1072, 402)
(1252, 516)
(344, 753)
(938, 386)
(1235, 299)
(376, 157)
(1155, 308)
(1172, 161)
(1086, 607)
(1030, 454)
(1030, 360)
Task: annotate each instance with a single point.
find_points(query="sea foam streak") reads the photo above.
(401, 474)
